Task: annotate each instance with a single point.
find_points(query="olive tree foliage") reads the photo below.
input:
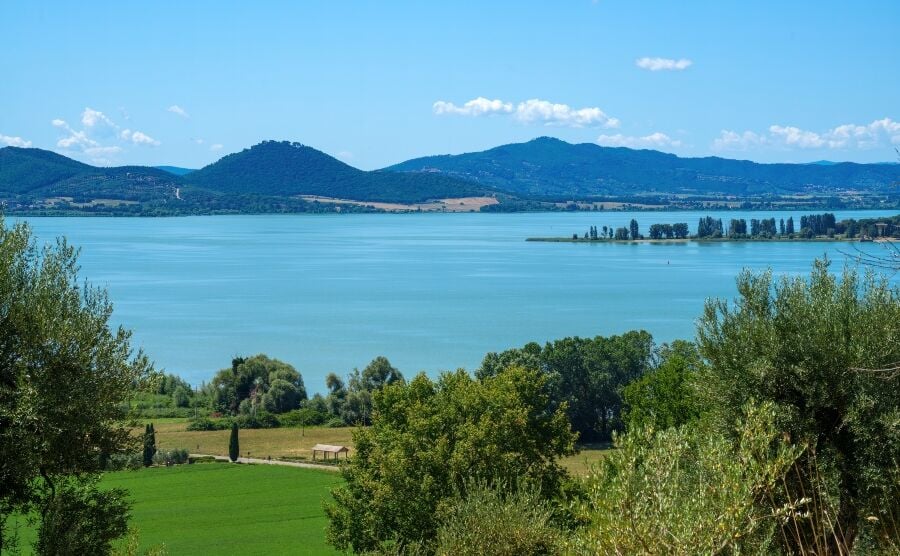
(821, 350)
(686, 491)
(513, 521)
(82, 519)
(64, 374)
(428, 439)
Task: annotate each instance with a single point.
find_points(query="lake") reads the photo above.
(429, 291)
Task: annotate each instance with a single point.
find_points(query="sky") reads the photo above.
(375, 83)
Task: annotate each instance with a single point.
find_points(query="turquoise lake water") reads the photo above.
(429, 291)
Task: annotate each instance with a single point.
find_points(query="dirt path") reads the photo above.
(332, 468)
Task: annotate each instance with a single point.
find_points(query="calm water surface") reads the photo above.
(429, 291)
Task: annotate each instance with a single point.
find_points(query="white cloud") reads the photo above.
(11, 141)
(846, 136)
(76, 139)
(660, 64)
(91, 118)
(733, 141)
(102, 156)
(59, 123)
(138, 138)
(530, 111)
(536, 110)
(653, 141)
(175, 109)
(476, 107)
(216, 147)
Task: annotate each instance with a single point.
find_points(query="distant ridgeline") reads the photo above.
(542, 174)
(814, 226)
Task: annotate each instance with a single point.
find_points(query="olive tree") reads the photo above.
(824, 351)
(64, 375)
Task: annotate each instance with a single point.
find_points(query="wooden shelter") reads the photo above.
(326, 449)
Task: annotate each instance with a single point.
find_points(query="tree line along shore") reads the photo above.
(814, 227)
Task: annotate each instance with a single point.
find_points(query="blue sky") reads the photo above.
(375, 83)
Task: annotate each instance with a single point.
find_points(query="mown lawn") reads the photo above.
(221, 508)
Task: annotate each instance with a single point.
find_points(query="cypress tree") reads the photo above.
(148, 446)
(234, 450)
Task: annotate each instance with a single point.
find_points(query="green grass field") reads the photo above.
(220, 508)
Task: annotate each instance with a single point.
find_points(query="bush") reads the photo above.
(120, 462)
(262, 420)
(171, 457)
(207, 424)
(82, 520)
(335, 423)
(686, 491)
(487, 521)
(303, 417)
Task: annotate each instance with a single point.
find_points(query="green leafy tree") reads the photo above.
(586, 374)
(665, 397)
(65, 376)
(234, 447)
(824, 352)
(82, 519)
(634, 230)
(251, 379)
(428, 439)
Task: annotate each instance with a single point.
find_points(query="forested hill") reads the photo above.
(36, 175)
(551, 167)
(282, 168)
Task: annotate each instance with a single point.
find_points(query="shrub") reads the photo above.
(335, 422)
(120, 462)
(686, 491)
(261, 420)
(206, 424)
(489, 521)
(303, 417)
(171, 457)
(80, 519)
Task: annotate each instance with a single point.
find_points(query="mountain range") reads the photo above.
(550, 167)
(544, 173)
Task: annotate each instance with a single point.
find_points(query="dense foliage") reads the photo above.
(517, 521)
(824, 352)
(64, 376)
(665, 397)
(255, 383)
(587, 375)
(352, 402)
(428, 439)
(686, 491)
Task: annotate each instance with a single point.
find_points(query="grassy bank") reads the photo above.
(220, 508)
(296, 444)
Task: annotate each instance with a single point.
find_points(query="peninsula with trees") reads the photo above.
(813, 227)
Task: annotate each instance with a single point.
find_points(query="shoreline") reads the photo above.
(712, 240)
